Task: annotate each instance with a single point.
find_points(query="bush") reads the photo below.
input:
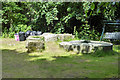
(23, 28)
(5, 33)
(88, 34)
(14, 29)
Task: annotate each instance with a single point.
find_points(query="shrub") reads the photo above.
(14, 29)
(88, 34)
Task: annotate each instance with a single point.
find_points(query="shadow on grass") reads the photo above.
(66, 66)
(12, 52)
(24, 56)
(42, 57)
(13, 55)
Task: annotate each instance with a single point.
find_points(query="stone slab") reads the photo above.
(112, 35)
(57, 37)
(80, 47)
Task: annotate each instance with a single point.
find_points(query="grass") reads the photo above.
(54, 62)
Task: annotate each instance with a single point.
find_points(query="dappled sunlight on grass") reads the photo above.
(40, 58)
(87, 60)
(55, 62)
(116, 48)
(45, 56)
(35, 54)
(52, 50)
(11, 44)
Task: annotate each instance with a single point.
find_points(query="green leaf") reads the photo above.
(55, 18)
(92, 6)
(98, 10)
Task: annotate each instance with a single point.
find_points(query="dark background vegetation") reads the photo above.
(78, 18)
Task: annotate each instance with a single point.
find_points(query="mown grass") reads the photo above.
(54, 62)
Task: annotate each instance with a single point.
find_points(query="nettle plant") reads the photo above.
(88, 34)
(84, 34)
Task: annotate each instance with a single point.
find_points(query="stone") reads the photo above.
(49, 37)
(81, 46)
(57, 37)
(35, 44)
(64, 37)
(66, 45)
(112, 35)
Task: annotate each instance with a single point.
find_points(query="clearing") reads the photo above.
(54, 62)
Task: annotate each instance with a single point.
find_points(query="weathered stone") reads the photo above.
(35, 43)
(88, 47)
(112, 35)
(57, 37)
(66, 45)
(49, 37)
(63, 37)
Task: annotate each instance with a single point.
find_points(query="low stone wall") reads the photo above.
(82, 47)
(35, 43)
(63, 37)
(57, 37)
(49, 37)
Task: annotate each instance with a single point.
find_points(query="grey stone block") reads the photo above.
(63, 37)
(57, 37)
(112, 35)
(82, 47)
(35, 43)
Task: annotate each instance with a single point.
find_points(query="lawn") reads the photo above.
(54, 62)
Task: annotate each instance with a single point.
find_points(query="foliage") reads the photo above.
(12, 13)
(13, 16)
(23, 28)
(5, 33)
(75, 32)
(12, 30)
(57, 17)
(88, 34)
